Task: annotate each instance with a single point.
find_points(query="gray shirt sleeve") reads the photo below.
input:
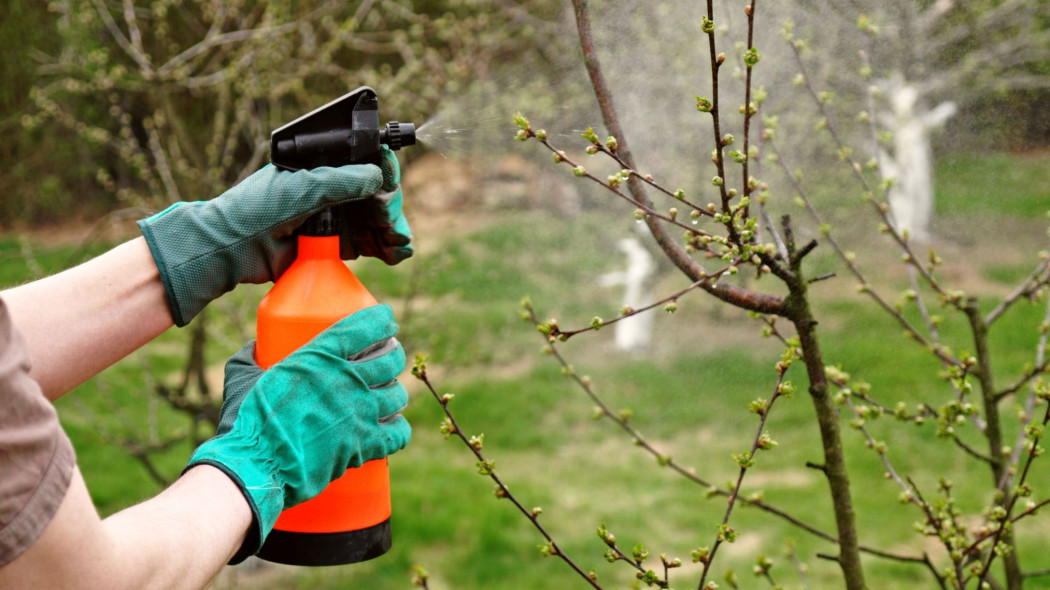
(36, 457)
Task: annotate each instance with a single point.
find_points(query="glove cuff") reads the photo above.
(264, 494)
(146, 226)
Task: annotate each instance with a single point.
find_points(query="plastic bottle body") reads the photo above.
(350, 520)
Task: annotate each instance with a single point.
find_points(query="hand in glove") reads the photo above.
(377, 227)
(206, 248)
(286, 433)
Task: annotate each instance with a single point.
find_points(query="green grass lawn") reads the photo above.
(458, 301)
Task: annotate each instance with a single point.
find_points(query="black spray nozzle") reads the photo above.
(344, 131)
(398, 135)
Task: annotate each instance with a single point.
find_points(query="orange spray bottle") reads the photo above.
(349, 521)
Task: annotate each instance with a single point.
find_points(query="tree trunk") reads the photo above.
(910, 166)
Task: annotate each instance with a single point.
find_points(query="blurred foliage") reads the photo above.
(990, 57)
(137, 104)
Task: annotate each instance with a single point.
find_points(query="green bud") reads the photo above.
(744, 460)
(752, 57)
(726, 533)
(579, 171)
(606, 537)
(486, 467)
(419, 366)
(597, 323)
(649, 577)
(447, 428)
(541, 135)
(611, 144)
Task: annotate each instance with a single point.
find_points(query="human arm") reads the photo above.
(181, 538)
(82, 320)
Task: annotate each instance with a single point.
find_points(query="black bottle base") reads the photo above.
(315, 549)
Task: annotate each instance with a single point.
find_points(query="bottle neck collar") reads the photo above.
(318, 247)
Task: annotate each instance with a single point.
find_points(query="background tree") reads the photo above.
(926, 61)
(723, 239)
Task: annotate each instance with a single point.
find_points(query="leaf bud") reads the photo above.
(752, 57)
(521, 121)
(486, 467)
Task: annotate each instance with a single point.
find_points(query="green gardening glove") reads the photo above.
(206, 248)
(286, 433)
(377, 227)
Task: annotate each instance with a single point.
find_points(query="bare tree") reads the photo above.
(734, 235)
(925, 61)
